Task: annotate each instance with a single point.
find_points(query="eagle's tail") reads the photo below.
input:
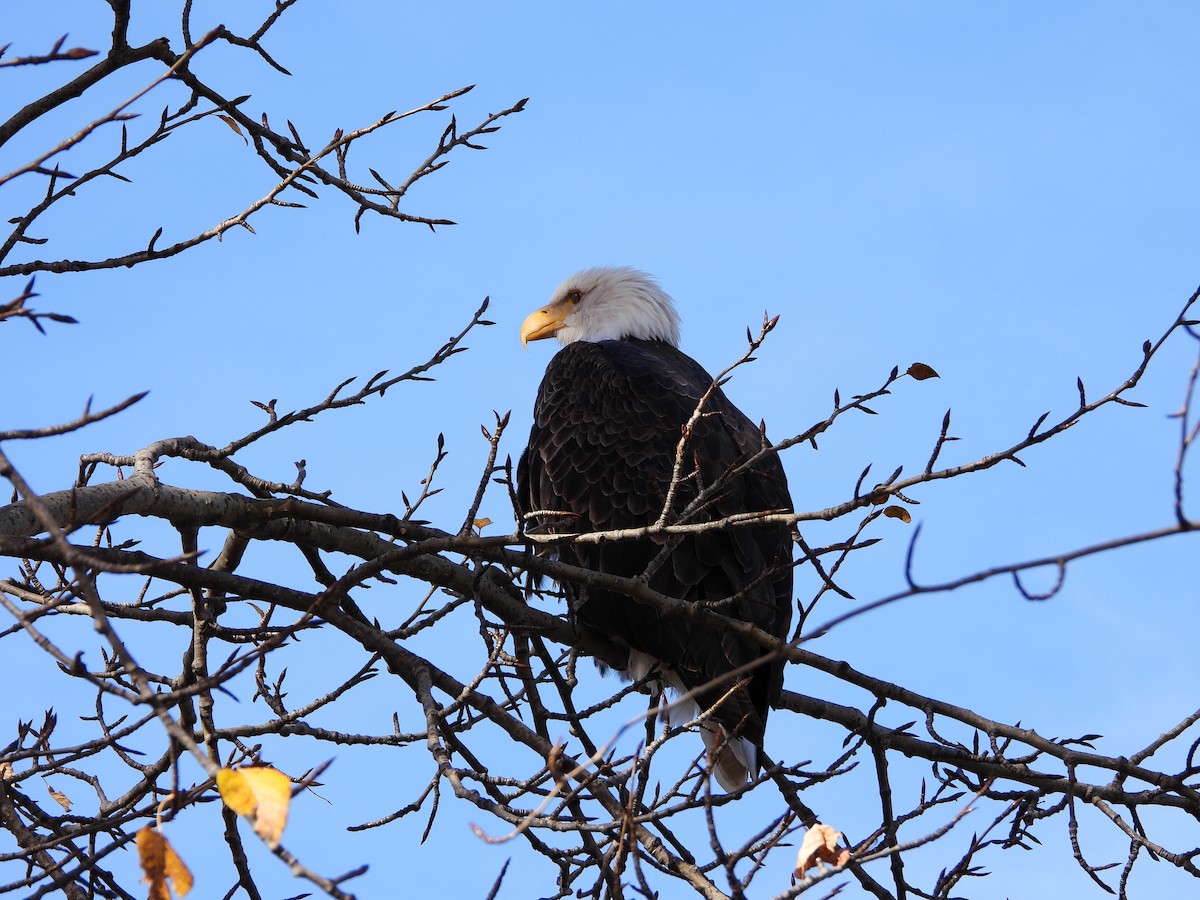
(733, 759)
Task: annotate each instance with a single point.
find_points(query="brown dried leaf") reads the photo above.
(554, 764)
(921, 372)
(160, 864)
(481, 524)
(60, 798)
(232, 123)
(177, 872)
(261, 795)
(898, 512)
(819, 847)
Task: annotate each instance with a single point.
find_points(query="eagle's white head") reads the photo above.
(606, 303)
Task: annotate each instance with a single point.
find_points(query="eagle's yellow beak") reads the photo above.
(543, 324)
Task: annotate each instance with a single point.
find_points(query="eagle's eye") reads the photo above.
(575, 295)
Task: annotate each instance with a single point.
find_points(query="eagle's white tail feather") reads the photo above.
(733, 762)
(737, 757)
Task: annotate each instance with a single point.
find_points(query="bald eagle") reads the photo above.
(610, 413)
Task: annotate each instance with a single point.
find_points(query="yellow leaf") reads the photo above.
(161, 864)
(898, 512)
(819, 847)
(921, 372)
(481, 524)
(261, 795)
(274, 792)
(60, 798)
(232, 123)
(235, 792)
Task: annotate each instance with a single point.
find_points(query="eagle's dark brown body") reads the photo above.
(607, 424)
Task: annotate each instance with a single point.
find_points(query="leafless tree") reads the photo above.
(622, 808)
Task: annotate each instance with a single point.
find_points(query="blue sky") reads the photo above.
(1004, 191)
